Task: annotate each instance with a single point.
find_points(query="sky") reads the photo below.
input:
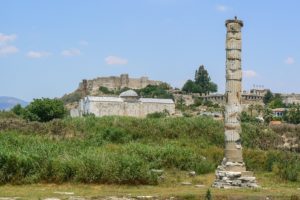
(47, 47)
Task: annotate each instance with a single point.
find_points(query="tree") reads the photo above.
(268, 97)
(213, 87)
(190, 87)
(202, 83)
(250, 108)
(293, 115)
(156, 91)
(259, 108)
(17, 109)
(105, 90)
(44, 110)
(268, 115)
(202, 79)
(276, 102)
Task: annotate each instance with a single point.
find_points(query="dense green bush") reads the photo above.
(42, 110)
(165, 113)
(33, 158)
(45, 109)
(285, 164)
(125, 149)
(288, 167)
(156, 91)
(105, 90)
(28, 159)
(256, 135)
(172, 155)
(116, 135)
(205, 130)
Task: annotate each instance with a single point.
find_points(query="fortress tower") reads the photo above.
(232, 171)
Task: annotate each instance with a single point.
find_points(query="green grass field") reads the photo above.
(116, 156)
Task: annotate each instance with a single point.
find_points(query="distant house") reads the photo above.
(127, 103)
(278, 112)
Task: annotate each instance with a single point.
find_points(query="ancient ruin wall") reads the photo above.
(115, 82)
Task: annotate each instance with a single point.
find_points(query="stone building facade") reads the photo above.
(291, 98)
(127, 104)
(115, 82)
(246, 98)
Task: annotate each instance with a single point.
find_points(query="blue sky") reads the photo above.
(47, 47)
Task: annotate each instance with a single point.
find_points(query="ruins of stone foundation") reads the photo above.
(232, 172)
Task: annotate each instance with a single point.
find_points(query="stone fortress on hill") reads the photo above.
(115, 83)
(128, 103)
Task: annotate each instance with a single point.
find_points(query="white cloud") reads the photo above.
(8, 49)
(7, 38)
(114, 60)
(71, 52)
(249, 74)
(37, 54)
(83, 42)
(222, 8)
(5, 48)
(289, 60)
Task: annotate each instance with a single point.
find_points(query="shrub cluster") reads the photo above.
(285, 164)
(204, 129)
(256, 135)
(42, 110)
(33, 158)
(123, 150)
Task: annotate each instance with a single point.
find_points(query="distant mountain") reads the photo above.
(7, 103)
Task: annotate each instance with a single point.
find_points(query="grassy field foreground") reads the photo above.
(117, 155)
(271, 187)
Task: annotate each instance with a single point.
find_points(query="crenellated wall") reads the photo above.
(115, 82)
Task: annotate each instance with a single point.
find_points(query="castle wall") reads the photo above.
(117, 82)
(135, 83)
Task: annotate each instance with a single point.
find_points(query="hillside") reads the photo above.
(155, 89)
(7, 103)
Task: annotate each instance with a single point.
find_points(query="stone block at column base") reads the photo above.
(234, 179)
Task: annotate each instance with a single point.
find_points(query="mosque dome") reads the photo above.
(129, 93)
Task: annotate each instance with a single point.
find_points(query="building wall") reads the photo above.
(147, 108)
(135, 109)
(291, 98)
(105, 108)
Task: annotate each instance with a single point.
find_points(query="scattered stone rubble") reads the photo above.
(230, 179)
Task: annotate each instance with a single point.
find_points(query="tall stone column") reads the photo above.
(232, 171)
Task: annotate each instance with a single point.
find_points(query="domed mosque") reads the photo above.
(128, 103)
(129, 95)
